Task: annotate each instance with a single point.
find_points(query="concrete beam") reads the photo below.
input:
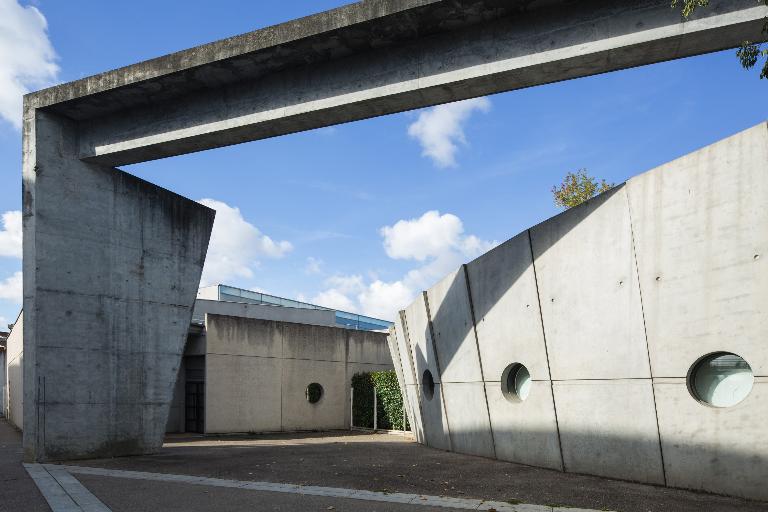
(428, 53)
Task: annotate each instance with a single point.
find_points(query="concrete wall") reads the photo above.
(112, 265)
(609, 305)
(15, 374)
(265, 312)
(257, 372)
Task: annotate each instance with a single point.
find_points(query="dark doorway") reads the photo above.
(194, 401)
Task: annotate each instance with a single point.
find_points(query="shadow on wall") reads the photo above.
(502, 283)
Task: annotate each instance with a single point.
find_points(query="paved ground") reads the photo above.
(17, 491)
(382, 463)
(395, 464)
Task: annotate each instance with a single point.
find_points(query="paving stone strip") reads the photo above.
(334, 492)
(62, 491)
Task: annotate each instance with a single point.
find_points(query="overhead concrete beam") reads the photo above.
(372, 59)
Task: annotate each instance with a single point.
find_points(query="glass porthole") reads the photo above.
(721, 379)
(516, 382)
(428, 384)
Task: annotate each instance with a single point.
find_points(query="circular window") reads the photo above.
(516, 382)
(428, 384)
(721, 379)
(314, 393)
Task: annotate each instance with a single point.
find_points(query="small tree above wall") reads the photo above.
(578, 187)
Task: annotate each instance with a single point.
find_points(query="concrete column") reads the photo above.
(111, 270)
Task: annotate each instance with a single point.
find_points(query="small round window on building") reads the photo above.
(314, 393)
(721, 379)
(516, 382)
(428, 384)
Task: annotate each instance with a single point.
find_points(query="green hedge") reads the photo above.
(389, 405)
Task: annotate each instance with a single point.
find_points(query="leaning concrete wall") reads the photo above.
(14, 387)
(257, 372)
(111, 270)
(609, 305)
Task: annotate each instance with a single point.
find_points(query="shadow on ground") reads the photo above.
(380, 462)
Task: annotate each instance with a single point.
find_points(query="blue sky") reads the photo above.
(348, 215)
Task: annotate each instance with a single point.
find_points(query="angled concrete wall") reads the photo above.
(609, 305)
(701, 233)
(117, 261)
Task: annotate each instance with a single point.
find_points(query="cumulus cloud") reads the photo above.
(440, 130)
(236, 246)
(11, 289)
(27, 58)
(10, 235)
(435, 241)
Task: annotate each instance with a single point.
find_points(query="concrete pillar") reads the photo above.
(111, 270)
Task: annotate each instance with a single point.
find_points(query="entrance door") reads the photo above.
(195, 407)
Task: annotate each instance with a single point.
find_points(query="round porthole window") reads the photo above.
(516, 382)
(721, 379)
(314, 393)
(428, 384)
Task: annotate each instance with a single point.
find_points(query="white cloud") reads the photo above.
(12, 289)
(313, 266)
(439, 129)
(236, 246)
(334, 299)
(10, 235)
(27, 58)
(436, 241)
(429, 235)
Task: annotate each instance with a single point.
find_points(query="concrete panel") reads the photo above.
(229, 335)
(242, 394)
(404, 348)
(525, 432)
(453, 329)
(261, 311)
(467, 415)
(368, 347)
(506, 305)
(117, 260)
(590, 299)
(354, 368)
(434, 420)
(393, 350)
(701, 232)
(331, 412)
(721, 450)
(420, 339)
(314, 342)
(608, 428)
(177, 413)
(417, 425)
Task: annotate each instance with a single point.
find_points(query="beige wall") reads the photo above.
(257, 372)
(14, 386)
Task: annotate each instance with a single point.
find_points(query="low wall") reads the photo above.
(257, 373)
(608, 306)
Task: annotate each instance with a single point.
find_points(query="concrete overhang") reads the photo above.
(373, 58)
